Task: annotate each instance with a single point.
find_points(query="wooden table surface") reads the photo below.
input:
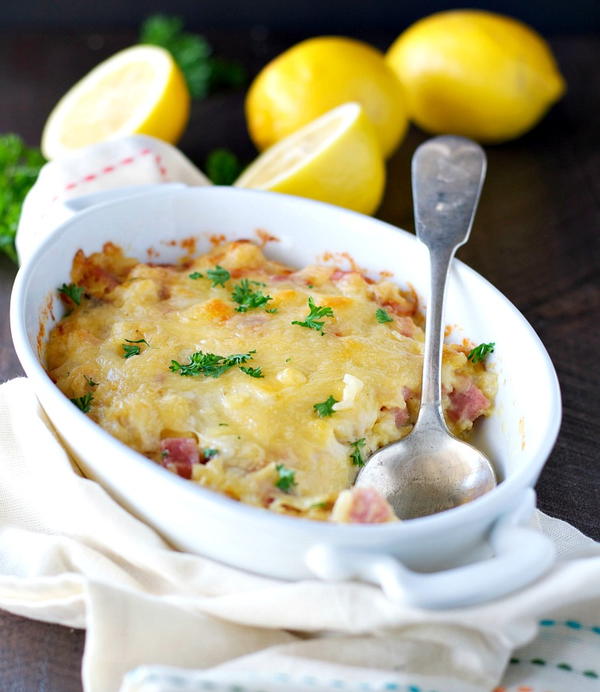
(537, 238)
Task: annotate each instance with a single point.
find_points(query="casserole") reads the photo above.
(518, 437)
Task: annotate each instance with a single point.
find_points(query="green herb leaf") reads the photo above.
(209, 364)
(196, 275)
(247, 298)
(90, 381)
(311, 322)
(84, 402)
(129, 351)
(218, 276)
(253, 372)
(137, 341)
(480, 352)
(286, 478)
(272, 311)
(72, 292)
(19, 169)
(203, 73)
(133, 350)
(319, 505)
(222, 167)
(209, 453)
(382, 316)
(356, 454)
(325, 408)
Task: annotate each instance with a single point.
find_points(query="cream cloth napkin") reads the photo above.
(128, 161)
(70, 554)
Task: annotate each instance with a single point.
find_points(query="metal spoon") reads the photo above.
(430, 470)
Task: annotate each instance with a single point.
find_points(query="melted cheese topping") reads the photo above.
(255, 424)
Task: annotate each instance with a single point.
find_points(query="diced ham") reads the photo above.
(400, 416)
(338, 274)
(407, 393)
(368, 507)
(467, 403)
(405, 326)
(400, 308)
(179, 454)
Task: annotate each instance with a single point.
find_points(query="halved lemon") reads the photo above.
(336, 158)
(139, 90)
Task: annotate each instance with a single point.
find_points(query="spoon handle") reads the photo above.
(447, 177)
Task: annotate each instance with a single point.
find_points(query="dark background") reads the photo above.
(346, 16)
(536, 236)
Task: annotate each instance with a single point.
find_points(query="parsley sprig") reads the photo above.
(209, 364)
(202, 71)
(218, 276)
(325, 408)
(253, 372)
(19, 169)
(84, 402)
(247, 297)
(382, 316)
(286, 480)
(72, 292)
(479, 353)
(316, 311)
(131, 348)
(356, 454)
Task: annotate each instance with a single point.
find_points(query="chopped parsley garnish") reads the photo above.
(84, 402)
(129, 351)
(316, 311)
(286, 478)
(131, 348)
(480, 352)
(72, 291)
(320, 505)
(356, 454)
(209, 364)
(248, 298)
(325, 408)
(209, 453)
(218, 276)
(253, 372)
(90, 381)
(382, 316)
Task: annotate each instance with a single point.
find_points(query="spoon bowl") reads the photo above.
(435, 471)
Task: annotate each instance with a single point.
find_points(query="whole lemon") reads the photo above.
(317, 75)
(475, 73)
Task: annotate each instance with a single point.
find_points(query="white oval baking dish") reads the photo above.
(423, 561)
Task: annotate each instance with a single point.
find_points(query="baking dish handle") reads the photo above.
(521, 555)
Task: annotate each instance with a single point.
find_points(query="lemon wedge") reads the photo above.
(139, 90)
(335, 158)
